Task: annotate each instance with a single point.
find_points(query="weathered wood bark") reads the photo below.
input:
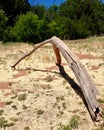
(86, 84)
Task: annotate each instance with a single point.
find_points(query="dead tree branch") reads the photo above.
(86, 84)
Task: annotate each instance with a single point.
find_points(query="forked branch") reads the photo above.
(86, 84)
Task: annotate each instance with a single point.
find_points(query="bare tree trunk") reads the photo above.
(86, 84)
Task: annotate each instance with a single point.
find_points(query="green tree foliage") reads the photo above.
(70, 9)
(59, 27)
(3, 21)
(73, 19)
(86, 15)
(52, 12)
(39, 10)
(13, 8)
(27, 28)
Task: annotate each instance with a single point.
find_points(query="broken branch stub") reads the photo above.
(86, 84)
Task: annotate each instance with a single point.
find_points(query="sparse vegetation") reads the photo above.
(18, 113)
(101, 127)
(49, 78)
(64, 105)
(13, 97)
(103, 112)
(63, 127)
(73, 124)
(27, 128)
(14, 107)
(80, 103)
(1, 112)
(101, 100)
(22, 97)
(36, 96)
(40, 112)
(14, 119)
(24, 106)
(67, 87)
(37, 100)
(10, 84)
(64, 82)
(60, 98)
(4, 123)
(9, 102)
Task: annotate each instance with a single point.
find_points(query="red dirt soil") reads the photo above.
(21, 73)
(5, 85)
(94, 67)
(85, 56)
(2, 104)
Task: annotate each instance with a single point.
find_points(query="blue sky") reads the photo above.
(47, 3)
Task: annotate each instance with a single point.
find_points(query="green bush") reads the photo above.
(71, 20)
(27, 28)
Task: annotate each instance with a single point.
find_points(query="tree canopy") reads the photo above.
(73, 19)
(13, 8)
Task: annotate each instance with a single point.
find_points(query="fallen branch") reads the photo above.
(86, 84)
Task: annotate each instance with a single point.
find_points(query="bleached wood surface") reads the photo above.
(86, 84)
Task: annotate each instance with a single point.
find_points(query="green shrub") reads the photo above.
(27, 28)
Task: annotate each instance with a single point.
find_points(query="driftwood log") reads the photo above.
(86, 84)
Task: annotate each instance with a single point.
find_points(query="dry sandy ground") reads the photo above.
(36, 97)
